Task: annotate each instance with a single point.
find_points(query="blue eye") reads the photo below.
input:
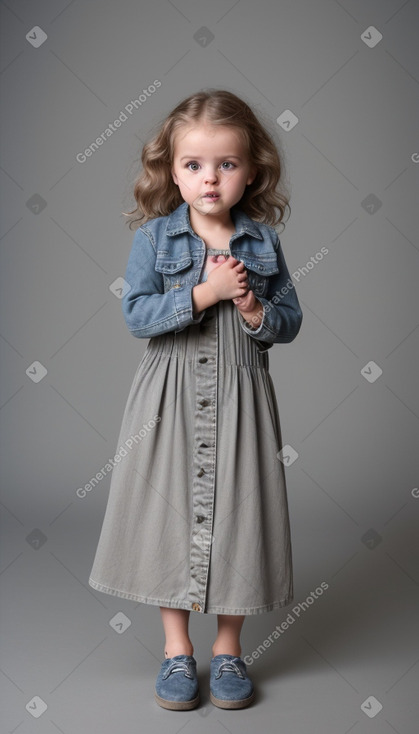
(230, 164)
(191, 163)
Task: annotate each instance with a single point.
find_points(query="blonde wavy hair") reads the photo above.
(155, 191)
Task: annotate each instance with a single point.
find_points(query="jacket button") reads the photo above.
(203, 360)
(176, 285)
(196, 606)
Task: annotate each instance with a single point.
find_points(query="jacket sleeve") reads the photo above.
(149, 311)
(282, 314)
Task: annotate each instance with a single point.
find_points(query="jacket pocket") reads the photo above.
(176, 272)
(258, 273)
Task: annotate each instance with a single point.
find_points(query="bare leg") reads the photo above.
(228, 638)
(176, 623)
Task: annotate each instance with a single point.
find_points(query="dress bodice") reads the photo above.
(211, 259)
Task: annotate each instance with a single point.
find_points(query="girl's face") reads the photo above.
(209, 158)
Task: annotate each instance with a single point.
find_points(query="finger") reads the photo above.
(240, 265)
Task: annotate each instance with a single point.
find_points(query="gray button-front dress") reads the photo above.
(197, 513)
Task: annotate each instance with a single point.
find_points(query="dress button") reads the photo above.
(203, 445)
(200, 518)
(204, 403)
(196, 606)
(203, 360)
(201, 472)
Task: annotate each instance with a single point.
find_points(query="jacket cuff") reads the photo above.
(184, 307)
(260, 332)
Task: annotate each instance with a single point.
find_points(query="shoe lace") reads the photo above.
(179, 666)
(230, 666)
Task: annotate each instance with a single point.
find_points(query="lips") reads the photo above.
(211, 195)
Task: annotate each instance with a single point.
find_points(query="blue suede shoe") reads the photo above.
(230, 686)
(177, 683)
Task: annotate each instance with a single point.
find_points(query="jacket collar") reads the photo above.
(178, 221)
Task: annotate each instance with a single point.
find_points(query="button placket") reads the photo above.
(204, 461)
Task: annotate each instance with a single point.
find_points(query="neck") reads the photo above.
(210, 223)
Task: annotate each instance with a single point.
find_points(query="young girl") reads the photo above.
(197, 514)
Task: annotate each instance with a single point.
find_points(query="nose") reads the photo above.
(210, 175)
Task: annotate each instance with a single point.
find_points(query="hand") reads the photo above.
(229, 279)
(250, 308)
(245, 303)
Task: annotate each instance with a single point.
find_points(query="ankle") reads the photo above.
(178, 648)
(226, 650)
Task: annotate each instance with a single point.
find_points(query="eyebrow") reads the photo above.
(198, 158)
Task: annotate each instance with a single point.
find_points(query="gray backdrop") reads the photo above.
(75, 660)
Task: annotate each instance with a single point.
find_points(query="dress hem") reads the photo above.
(185, 605)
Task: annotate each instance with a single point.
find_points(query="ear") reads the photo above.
(174, 177)
(252, 176)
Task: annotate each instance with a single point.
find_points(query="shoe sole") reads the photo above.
(176, 705)
(226, 704)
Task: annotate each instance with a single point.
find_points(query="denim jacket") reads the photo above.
(166, 261)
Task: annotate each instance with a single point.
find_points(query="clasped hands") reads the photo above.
(228, 279)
